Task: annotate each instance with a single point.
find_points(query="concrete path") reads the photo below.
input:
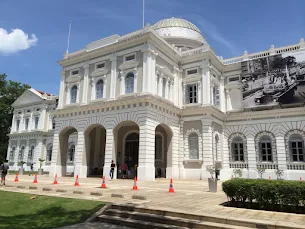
(190, 196)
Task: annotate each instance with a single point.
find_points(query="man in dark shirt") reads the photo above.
(4, 168)
(112, 169)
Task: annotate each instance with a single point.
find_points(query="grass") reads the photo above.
(18, 210)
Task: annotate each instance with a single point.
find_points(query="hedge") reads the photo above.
(267, 194)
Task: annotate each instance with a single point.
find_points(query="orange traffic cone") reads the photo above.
(55, 179)
(35, 178)
(104, 183)
(135, 187)
(16, 178)
(171, 187)
(76, 181)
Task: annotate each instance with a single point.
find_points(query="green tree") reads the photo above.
(9, 92)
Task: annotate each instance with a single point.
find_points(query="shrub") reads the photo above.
(266, 193)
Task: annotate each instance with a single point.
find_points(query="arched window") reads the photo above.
(73, 94)
(49, 153)
(129, 83)
(71, 153)
(99, 89)
(31, 153)
(193, 146)
(12, 153)
(296, 144)
(265, 148)
(21, 154)
(237, 148)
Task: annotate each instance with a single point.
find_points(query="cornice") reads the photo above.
(31, 134)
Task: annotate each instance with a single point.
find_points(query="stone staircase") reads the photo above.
(137, 217)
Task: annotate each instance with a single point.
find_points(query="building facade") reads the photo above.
(160, 100)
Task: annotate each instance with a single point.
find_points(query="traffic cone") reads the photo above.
(300, 178)
(35, 179)
(16, 178)
(104, 183)
(135, 187)
(55, 179)
(76, 181)
(171, 187)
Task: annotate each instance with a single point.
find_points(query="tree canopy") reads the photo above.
(9, 92)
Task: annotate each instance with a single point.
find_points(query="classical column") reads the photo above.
(31, 123)
(93, 89)
(56, 166)
(281, 154)
(181, 151)
(199, 92)
(122, 83)
(26, 150)
(206, 79)
(80, 156)
(42, 124)
(135, 83)
(183, 93)
(146, 169)
(113, 60)
(62, 86)
(149, 66)
(109, 152)
(37, 154)
(166, 87)
(160, 85)
(251, 157)
(222, 96)
(157, 84)
(207, 141)
(86, 84)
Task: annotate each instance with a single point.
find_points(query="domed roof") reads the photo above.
(180, 33)
(175, 22)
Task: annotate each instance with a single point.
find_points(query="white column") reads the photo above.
(122, 82)
(207, 154)
(86, 84)
(183, 94)
(146, 169)
(42, 124)
(56, 167)
(199, 92)
(156, 85)
(26, 151)
(109, 152)
(37, 154)
(160, 85)
(135, 83)
(172, 170)
(222, 96)
(251, 154)
(80, 156)
(181, 152)
(206, 94)
(145, 76)
(62, 97)
(31, 122)
(13, 127)
(16, 157)
(281, 154)
(166, 87)
(149, 66)
(113, 60)
(105, 88)
(153, 82)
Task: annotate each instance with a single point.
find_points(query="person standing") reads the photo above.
(4, 168)
(32, 168)
(112, 169)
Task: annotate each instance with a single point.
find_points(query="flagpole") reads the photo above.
(143, 13)
(68, 45)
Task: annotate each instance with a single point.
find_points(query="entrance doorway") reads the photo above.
(132, 149)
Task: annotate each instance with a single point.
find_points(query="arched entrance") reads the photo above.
(163, 150)
(66, 157)
(127, 135)
(95, 142)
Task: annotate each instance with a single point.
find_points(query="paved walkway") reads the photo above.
(190, 196)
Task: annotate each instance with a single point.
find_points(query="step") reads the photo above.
(134, 223)
(187, 216)
(168, 220)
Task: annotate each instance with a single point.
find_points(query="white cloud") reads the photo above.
(15, 41)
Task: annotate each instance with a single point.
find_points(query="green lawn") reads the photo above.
(17, 210)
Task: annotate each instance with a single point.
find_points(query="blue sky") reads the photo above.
(230, 27)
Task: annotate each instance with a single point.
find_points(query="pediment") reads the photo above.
(73, 79)
(30, 96)
(99, 72)
(165, 70)
(128, 65)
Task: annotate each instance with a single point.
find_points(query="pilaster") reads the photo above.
(56, 167)
(206, 80)
(281, 152)
(222, 94)
(109, 152)
(62, 90)
(181, 151)
(251, 157)
(37, 154)
(149, 68)
(146, 169)
(122, 83)
(86, 84)
(160, 91)
(113, 60)
(80, 156)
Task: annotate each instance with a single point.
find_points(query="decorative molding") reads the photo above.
(100, 72)
(128, 65)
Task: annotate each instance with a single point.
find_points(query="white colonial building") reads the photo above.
(161, 99)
